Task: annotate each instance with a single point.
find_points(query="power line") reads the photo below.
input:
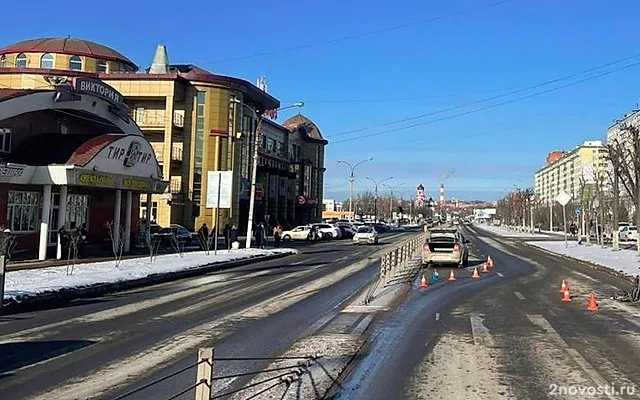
(492, 105)
(361, 34)
(535, 86)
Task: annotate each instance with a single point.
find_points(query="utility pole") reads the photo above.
(391, 201)
(375, 204)
(352, 179)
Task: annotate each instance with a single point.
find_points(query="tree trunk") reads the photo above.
(616, 210)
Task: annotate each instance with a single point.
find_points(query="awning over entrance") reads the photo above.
(112, 161)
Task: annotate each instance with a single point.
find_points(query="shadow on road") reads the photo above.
(17, 355)
(54, 305)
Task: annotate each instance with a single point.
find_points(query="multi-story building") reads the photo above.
(196, 122)
(571, 171)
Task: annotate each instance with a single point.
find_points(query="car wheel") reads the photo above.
(286, 238)
(375, 241)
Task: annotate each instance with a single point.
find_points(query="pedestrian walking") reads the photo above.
(233, 234)
(203, 236)
(277, 233)
(225, 233)
(260, 236)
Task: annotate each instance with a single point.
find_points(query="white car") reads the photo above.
(365, 234)
(628, 233)
(298, 233)
(328, 231)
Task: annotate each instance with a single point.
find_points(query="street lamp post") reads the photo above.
(254, 169)
(391, 201)
(375, 203)
(351, 181)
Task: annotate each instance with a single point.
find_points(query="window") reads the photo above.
(77, 209)
(3, 61)
(271, 145)
(102, 67)
(21, 60)
(199, 152)
(75, 63)
(46, 61)
(5, 140)
(121, 67)
(22, 211)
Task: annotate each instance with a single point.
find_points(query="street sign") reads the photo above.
(219, 189)
(563, 198)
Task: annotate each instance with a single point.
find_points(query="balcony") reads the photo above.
(156, 120)
(176, 153)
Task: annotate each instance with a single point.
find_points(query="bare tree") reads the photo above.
(74, 238)
(176, 244)
(117, 242)
(205, 241)
(627, 146)
(153, 245)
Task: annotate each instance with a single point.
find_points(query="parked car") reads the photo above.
(168, 237)
(328, 231)
(366, 234)
(302, 232)
(445, 246)
(628, 232)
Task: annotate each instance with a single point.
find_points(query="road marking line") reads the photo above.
(633, 321)
(437, 316)
(586, 276)
(519, 295)
(500, 274)
(480, 332)
(309, 260)
(341, 259)
(591, 372)
(364, 309)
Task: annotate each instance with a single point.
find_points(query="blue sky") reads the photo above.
(380, 78)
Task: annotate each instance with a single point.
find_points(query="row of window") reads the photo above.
(47, 61)
(23, 210)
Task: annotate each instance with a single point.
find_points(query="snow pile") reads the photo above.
(507, 233)
(27, 283)
(624, 261)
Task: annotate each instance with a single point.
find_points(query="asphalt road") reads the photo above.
(506, 335)
(100, 348)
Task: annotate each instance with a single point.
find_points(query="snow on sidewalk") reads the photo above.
(507, 233)
(31, 282)
(624, 261)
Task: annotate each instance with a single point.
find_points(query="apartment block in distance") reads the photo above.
(566, 170)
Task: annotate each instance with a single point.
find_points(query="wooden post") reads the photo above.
(205, 374)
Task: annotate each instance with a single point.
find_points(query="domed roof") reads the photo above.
(300, 121)
(71, 46)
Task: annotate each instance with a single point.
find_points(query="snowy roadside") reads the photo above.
(62, 282)
(508, 233)
(623, 262)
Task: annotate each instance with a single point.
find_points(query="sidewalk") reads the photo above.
(624, 262)
(92, 278)
(512, 231)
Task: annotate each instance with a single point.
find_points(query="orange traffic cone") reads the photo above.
(490, 262)
(423, 282)
(484, 268)
(475, 273)
(567, 297)
(452, 276)
(563, 286)
(593, 305)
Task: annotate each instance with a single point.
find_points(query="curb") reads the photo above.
(589, 264)
(29, 303)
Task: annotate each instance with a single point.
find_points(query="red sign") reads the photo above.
(301, 200)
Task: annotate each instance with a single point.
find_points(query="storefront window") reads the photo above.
(22, 211)
(77, 209)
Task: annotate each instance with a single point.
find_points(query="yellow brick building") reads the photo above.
(583, 165)
(196, 121)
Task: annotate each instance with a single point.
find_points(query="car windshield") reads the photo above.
(365, 229)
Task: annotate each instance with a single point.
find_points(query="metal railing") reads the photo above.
(394, 264)
(203, 387)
